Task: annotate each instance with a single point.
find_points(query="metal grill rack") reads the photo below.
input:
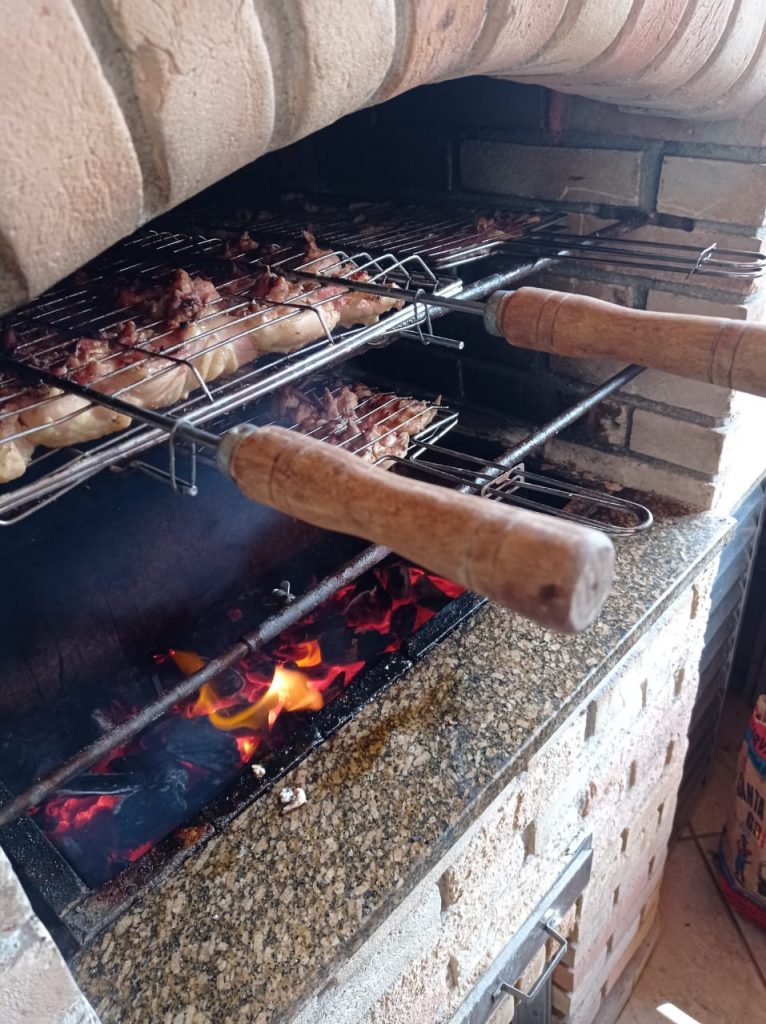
(379, 419)
(446, 238)
(384, 421)
(635, 254)
(518, 486)
(451, 238)
(45, 334)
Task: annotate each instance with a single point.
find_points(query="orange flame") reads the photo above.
(289, 690)
(311, 655)
(188, 661)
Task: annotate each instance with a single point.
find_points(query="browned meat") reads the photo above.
(179, 301)
(240, 246)
(15, 451)
(193, 332)
(356, 309)
(377, 426)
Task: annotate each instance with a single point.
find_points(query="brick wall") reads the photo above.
(35, 984)
(705, 183)
(496, 143)
(611, 770)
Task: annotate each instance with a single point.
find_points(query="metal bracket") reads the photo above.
(533, 933)
(548, 967)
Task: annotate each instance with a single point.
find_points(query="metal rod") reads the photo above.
(505, 278)
(390, 292)
(150, 416)
(544, 433)
(248, 644)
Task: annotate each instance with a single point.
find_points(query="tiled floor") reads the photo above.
(709, 966)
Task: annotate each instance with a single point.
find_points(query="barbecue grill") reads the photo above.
(407, 254)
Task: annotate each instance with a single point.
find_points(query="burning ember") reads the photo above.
(125, 804)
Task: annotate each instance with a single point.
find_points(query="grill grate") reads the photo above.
(46, 334)
(453, 238)
(446, 238)
(385, 427)
(49, 333)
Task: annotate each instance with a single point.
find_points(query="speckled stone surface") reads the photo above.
(250, 925)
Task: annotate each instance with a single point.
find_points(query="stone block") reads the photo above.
(660, 301)
(635, 472)
(16, 911)
(725, 191)
(677, 393)
(427, 957)
(610, 1009)
(680, 442)
(581, 1005)
(620, 292)
(37, 987)
(600, 918)
(594, 117)
(564, 174)
(653, 385)
(35, 983)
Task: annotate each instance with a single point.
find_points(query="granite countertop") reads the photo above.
(252, 923)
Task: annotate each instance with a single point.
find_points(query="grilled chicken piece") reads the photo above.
(177, 302)
(376, 426)
(273, 327)
(15, 452)
(62, 419)
(356, 309)
(193, 333)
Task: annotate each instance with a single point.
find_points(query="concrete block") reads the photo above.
(635, 472)
(699, 239)
(591, 116)
(566, 174)
(685, 444)
(715, 190)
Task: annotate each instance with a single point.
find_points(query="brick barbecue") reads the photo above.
(444, 809)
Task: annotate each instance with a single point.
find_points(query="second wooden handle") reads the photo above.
(555, 573)
(731, 353)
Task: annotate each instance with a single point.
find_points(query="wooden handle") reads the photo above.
(555, 573)
(731, 353)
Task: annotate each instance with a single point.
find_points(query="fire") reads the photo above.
(206, 741)
(247, 746)
(188, 661)
(289, 690)
(310, 655)
(76, 812)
